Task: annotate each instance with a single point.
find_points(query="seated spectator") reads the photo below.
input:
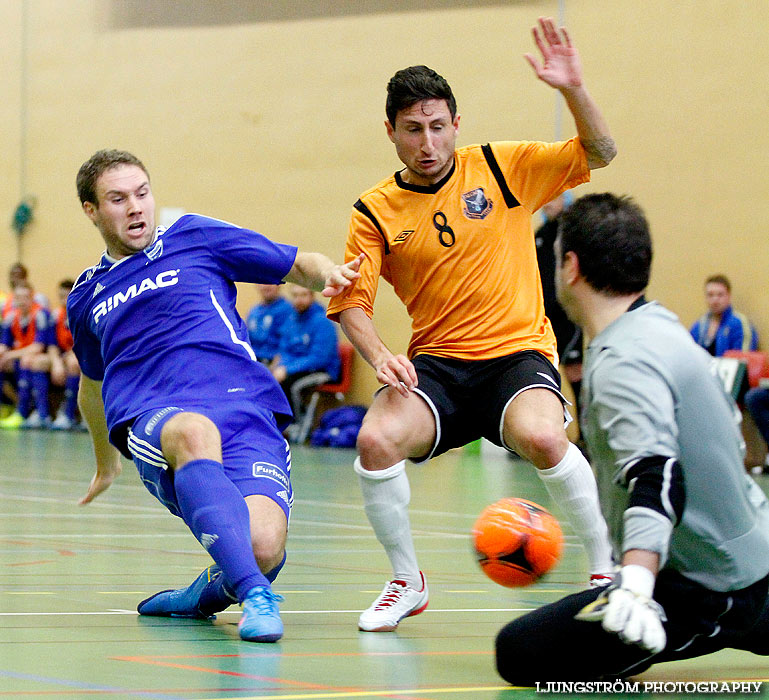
(265, 322)
(18, 274)
(24, 336)
(309, 350)
(60, 363)
(722, 328)
(757, 404)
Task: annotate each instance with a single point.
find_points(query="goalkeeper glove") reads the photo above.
(626, 608)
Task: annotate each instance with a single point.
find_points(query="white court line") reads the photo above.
(158, 512)
(134, 487)
(85, 516)
(292, 538)
(356, 611)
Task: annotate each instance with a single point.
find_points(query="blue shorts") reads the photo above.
(256, 456)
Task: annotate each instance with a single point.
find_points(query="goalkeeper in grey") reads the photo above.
(690, 528)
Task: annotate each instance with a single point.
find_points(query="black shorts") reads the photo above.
(468, 398)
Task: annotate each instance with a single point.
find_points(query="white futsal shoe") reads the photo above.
(396, 601)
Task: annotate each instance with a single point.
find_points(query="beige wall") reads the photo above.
(277, 125)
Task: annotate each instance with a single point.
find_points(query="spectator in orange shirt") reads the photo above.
(60, 363)
(24, 336)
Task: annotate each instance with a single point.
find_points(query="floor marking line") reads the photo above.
(356, 611)
(381, 693)
(307, 654)
(85, 686)
(32, 563)
(235, 674)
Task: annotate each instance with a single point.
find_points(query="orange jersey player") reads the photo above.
(25, 334)
(452, 233)
(440, 247)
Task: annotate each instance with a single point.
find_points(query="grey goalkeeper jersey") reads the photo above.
(648, 390)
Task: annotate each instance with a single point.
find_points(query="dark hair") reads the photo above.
(67, 284)
(97, 164)
(411, 85)
(22, 284)
(719, 279)
(610, 237)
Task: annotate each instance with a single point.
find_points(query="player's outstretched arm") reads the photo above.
(561, 69)
(316, 271)
(392, 370)
(108, 466)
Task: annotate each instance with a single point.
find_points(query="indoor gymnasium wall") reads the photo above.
(10, 130)
(277, 124)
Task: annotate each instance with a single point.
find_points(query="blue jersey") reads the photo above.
(265, 322)
(159, 328)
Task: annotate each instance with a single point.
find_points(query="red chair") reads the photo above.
(338, 390)
(757, 363)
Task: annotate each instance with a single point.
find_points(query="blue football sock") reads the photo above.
(23, 391)
(216, 597)
(39, 381)
(71, 387)
(218, 594)
(217, 514)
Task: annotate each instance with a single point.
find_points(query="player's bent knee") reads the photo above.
(268, 544)
(268, 558)
(269, 549)
(375, 440)
(544, 446)
(189, 436)
(268, 531)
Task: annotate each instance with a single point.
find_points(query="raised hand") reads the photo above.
(560, 67)
(342, 276)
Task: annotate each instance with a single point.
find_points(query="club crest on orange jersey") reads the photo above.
(477, 205)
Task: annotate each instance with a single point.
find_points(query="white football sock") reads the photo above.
(571, 484)
(386, 496)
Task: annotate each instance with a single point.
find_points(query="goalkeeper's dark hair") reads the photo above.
(610, 236)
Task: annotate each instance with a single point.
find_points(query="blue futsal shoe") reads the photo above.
(184, 602)
(261, 621)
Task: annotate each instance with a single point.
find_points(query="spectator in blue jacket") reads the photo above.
(308, 353)
(722, 328)
(266, 320)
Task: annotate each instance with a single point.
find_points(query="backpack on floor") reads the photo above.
(338, 427)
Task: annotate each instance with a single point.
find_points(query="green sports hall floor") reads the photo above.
(71, 578)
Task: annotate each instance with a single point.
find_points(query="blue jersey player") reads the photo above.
(171, 381)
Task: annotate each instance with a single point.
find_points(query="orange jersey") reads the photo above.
(61, 329)
(460, 254)
(25, 330)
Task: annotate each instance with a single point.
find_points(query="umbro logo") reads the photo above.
(403, 235)
(98, 288)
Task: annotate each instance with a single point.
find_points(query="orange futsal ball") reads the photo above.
(516, 541)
